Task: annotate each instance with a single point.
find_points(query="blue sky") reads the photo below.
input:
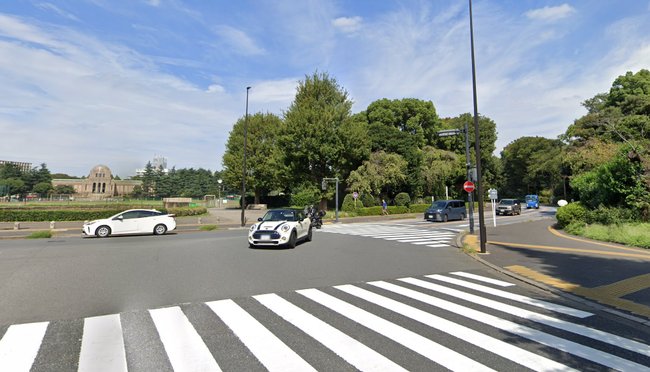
(115, 82)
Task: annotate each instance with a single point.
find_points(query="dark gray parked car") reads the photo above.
(508, 206)
(444, 210)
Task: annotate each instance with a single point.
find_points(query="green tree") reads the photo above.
(382, 173)
(10, 170)
(265, 170)
(42, 188)
(64, 189)
(16, 185)
(441, 168)
(148, 180)
(312, 140)
(403, 127)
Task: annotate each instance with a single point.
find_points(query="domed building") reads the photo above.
(99, 184)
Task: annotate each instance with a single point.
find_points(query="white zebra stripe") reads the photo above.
(480, 278)
(19, 346)
(354, 352)
(595, 334)
(515, 297)
(445, 357)
(555, 342)
(491, 344)
(274, 354)
(184, 346)
(102, 345)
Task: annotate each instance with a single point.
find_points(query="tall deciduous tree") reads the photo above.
(312, 141)
(265, 170)
(383, 173)
(441, 168)
(403, 127)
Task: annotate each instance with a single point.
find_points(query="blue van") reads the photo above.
(532, 201)
(444, 210)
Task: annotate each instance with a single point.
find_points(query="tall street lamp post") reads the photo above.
(219, 181)
(477, 142)
(243, 173)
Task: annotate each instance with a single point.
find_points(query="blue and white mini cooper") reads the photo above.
(280, 227)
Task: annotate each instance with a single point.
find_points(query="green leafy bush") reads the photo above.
(368, 200)
(349, 204)
(369, 211)
(40, 235)
(402, 199)
(307, 195)
(398, 209)
(12, 215)
(607, 216)
(418, 208)
(570, 213)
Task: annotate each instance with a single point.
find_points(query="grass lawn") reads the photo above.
(633, 234)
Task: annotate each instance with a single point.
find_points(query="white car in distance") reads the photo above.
(132, 221)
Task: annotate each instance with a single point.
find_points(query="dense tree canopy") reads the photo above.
(265, 168)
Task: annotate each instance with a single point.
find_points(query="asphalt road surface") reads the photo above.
(371, 296)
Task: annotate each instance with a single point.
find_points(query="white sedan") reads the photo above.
(133, 221)
(280, 227)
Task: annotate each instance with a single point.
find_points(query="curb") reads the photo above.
(460, 244)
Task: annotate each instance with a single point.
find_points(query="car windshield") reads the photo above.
(507, 202)
(279, 216)
(531, 198)
(439, 205)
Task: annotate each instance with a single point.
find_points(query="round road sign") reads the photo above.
(468, 186)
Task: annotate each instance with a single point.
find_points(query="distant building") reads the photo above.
(24, 167)
(99, 184)
(158, 162)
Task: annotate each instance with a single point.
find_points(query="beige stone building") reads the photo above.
(99, 184)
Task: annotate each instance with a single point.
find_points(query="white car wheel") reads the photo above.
(159, 229)
(103, 231)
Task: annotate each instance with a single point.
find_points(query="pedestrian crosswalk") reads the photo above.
(455, 321)
(398, 233)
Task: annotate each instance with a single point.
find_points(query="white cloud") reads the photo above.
(551, 13)
(238, 40)
(347, 24)
(59, 11)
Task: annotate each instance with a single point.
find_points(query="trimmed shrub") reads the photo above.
(418, 208)
(571, 213)
(368, 200)
(13, 215)
(349, 204)
(398, 209)
(402, 199)
(369, 211)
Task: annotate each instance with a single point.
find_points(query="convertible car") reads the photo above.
(280, 227)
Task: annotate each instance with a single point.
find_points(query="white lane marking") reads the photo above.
(20, 344)
(354, 352)
(274, 354)
(595, 334)
(555, 342)
(500, 283)
(445, 357)
(102, 345)
(184, 346)
(420, 237)
(515, 297)
(491, 344)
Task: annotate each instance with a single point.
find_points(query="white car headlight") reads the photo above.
(285, 228)
(253, 228)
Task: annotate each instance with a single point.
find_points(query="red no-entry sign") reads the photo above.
(468, 186)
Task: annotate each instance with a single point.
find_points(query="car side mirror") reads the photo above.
(259, 219)
(121, 218)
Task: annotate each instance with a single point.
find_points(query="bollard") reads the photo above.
(52, 225)
(16, 225)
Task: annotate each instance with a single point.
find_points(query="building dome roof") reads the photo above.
(100, 170)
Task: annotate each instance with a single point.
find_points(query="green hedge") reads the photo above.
(14, 215)
(418, 208)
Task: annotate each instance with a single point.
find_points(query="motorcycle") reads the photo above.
(316, 217)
